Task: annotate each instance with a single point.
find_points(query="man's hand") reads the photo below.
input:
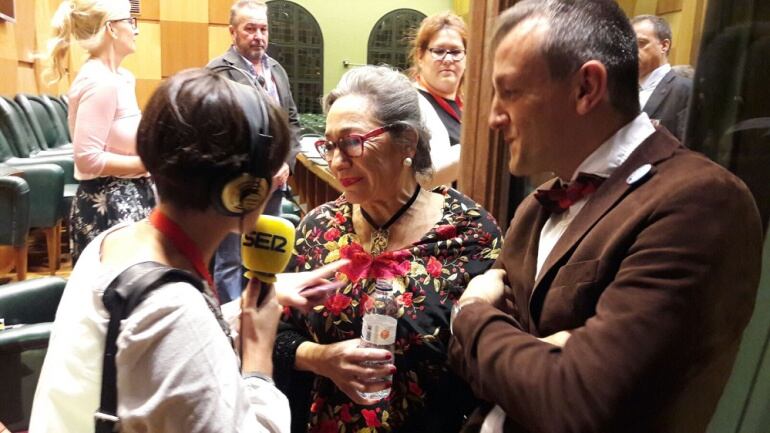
(488, 287)
(281, 176)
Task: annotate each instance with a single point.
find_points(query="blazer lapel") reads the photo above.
(656, 148)
(659, 94)
(520, 254)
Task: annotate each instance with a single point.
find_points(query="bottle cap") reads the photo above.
(383, 284)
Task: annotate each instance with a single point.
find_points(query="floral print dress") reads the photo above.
(429, 276)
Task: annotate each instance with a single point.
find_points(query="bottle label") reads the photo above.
(379, 329)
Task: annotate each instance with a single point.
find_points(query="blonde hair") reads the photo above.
(83, 20)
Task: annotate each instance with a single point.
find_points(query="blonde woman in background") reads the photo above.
(438, 67)
(103, 117)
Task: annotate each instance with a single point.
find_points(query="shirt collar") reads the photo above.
(613, 153)
(655, 76)
(250, 66)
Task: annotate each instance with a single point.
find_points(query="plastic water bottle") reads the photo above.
(379, 329)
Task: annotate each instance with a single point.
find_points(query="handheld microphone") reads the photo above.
(266, 250)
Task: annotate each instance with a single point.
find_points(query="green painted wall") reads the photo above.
(346, 24)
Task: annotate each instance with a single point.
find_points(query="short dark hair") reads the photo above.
(194, 131)
(393, 100)
(580, 31)
(659, 25)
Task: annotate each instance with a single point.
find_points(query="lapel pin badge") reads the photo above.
(639, 174)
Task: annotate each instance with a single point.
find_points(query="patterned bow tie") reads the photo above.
(561, 197)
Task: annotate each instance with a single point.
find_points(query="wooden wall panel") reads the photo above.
(668, 6)
(144, 89)
(219, 11)
(8, 72)
(146, 61)
(25, 20)
(150, 10)
(219, 40)
(8, 59)
(77, 57)
(484, 172)
(192, 11)
(8, 40)
(183, 45)
(26, 82)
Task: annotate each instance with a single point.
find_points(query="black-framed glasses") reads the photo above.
(351, 145)
(131, 20)
(454, 55)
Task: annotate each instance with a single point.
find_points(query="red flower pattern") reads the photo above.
(372, 420)
(363, 265)
(332, 234)
(360, 261)
(406, 299)
(345, 413)
(433, 267)
(331, 409)
(326, 426)
(337, 303)
(415, 389)
(446, 231)
(317, 404)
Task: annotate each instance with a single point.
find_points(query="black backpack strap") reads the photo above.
(120, 298)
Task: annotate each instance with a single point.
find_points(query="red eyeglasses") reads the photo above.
(351, 145)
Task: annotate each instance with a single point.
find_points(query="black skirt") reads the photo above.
(104, 202)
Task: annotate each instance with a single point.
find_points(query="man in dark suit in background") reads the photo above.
(249, 32)
(663, 94)
(619, 301)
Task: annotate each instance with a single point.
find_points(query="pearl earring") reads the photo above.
(407, 162)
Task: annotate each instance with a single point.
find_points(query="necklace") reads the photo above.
(381, 233)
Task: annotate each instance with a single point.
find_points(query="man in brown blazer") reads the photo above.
(617, 306)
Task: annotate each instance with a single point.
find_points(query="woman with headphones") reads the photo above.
(212, 147)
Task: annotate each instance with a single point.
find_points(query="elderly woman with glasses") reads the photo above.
(428, 243)
(103, 117)
(438, 67)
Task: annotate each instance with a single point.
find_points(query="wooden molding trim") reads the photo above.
(484, 175)
(668, 6)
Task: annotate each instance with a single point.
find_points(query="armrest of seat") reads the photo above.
(26, 337)
(31, 301)
(14, 212)
(65, 162)
(46, 185)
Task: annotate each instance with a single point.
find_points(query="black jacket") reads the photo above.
(668, 103)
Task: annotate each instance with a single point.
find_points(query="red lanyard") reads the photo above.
(183, 244)
(443, 103)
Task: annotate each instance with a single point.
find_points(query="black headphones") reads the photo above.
(238, 194)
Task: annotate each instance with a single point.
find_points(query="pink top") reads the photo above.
(103, 117)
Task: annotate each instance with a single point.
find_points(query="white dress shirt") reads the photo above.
(651, 82)
(602, 162)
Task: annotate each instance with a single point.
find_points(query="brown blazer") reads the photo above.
(655, 279)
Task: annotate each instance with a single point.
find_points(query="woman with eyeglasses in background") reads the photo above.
(438, 67)
(103, 117)
(428, 242)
